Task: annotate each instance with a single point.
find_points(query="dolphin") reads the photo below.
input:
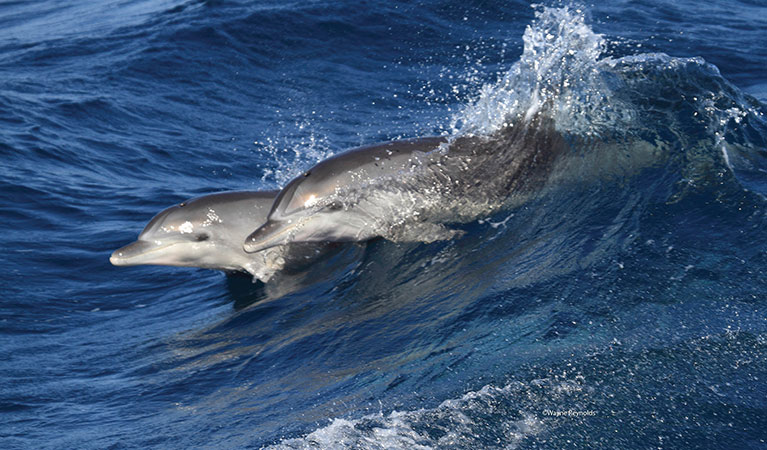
(408, 191)
(343, 198)
(208, 232)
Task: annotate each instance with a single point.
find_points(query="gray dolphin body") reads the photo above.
(408, 190)
(343, 198)
(208, 232)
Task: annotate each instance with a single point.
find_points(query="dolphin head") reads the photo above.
(334, 200)
(309, 209)
(204, 232)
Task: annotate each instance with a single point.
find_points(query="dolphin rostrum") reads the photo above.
(208, 232)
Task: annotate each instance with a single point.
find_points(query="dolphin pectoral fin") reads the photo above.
(427, 232)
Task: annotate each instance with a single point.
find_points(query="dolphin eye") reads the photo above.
(202, 237)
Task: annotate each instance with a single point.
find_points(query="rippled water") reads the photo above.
(618, 304)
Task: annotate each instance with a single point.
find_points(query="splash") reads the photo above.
(559, 74)
(623, 114)
(290, 157)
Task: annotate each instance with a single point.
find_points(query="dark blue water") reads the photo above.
(621, 308)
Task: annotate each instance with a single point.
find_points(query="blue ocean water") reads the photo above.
(621, 308)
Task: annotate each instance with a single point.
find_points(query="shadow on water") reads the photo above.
(244, 290)
(339, 259)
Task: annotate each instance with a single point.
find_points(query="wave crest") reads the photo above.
(559, 74)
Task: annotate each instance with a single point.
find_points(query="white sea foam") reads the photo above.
(491, 417)
(455, 423)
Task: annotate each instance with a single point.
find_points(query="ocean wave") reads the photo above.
(632, 258)
(487, 418)
(564, 116)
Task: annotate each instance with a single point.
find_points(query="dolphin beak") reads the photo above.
(130, 255)
(268, 235)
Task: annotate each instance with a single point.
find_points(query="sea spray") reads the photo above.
(560, 74)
